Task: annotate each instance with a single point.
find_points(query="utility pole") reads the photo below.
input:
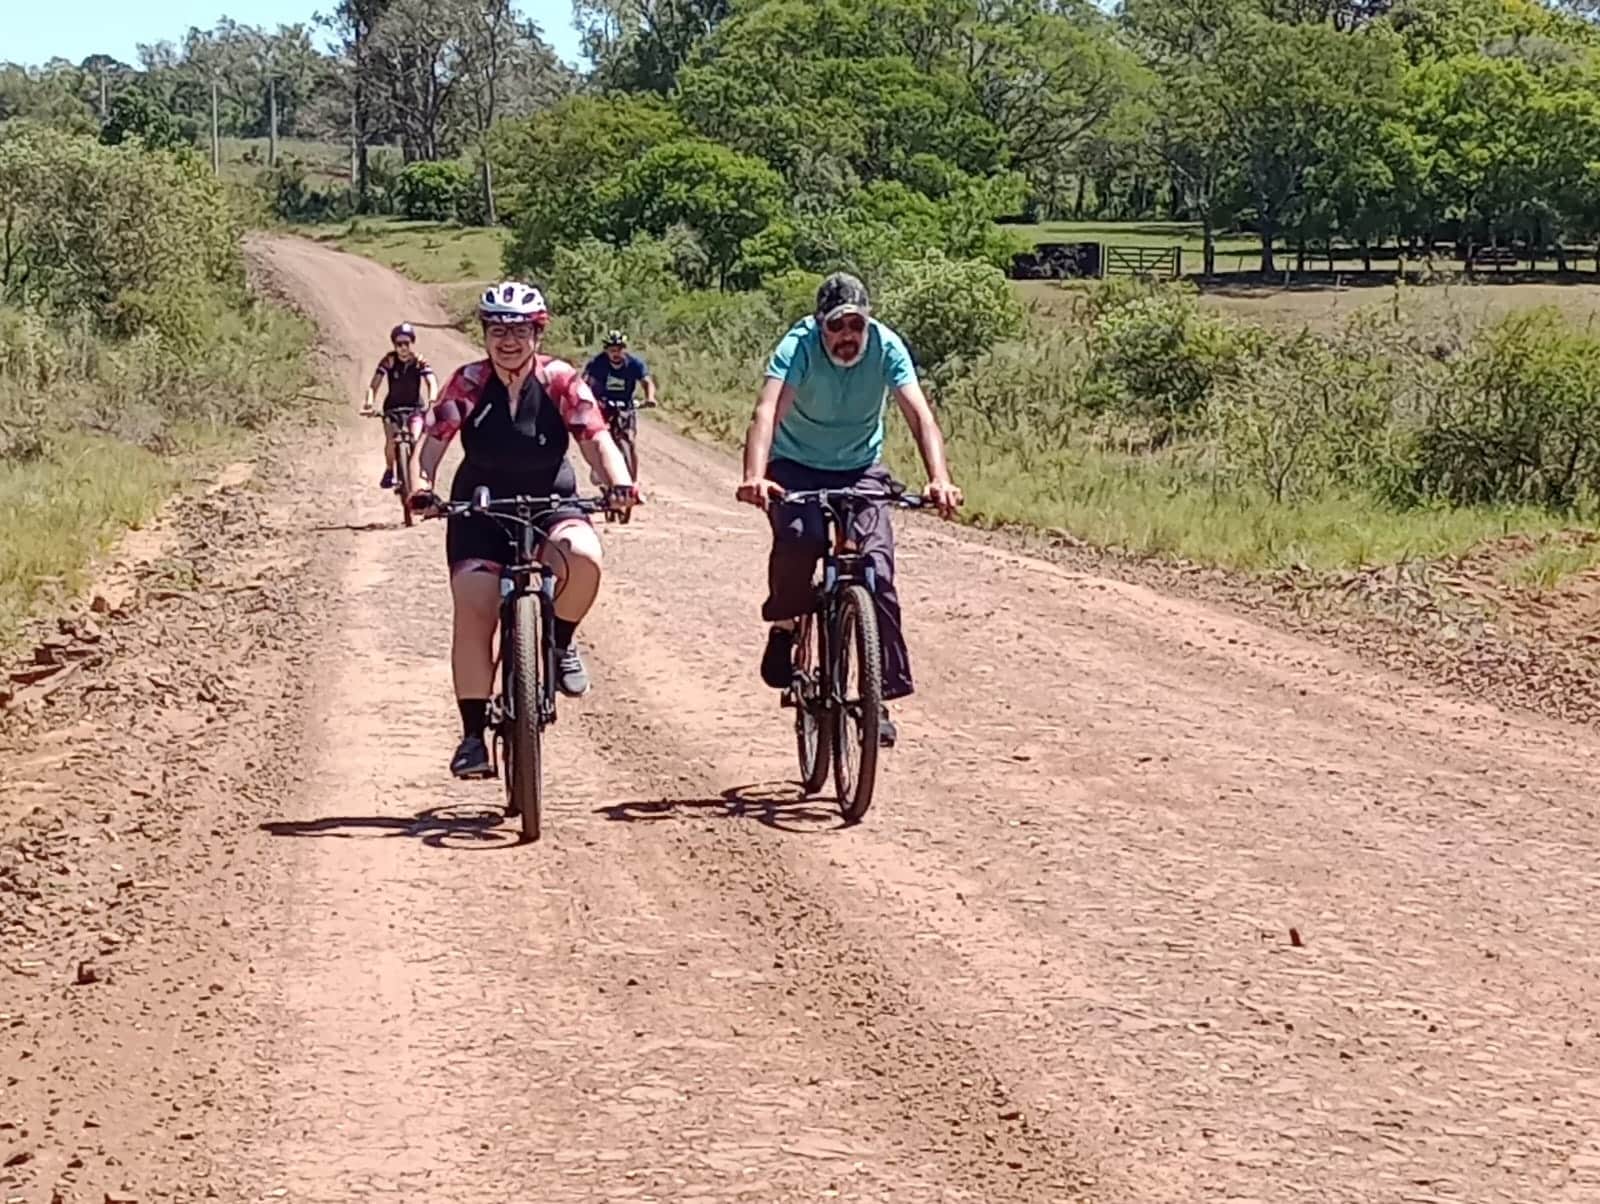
(104, 111)
(216, 144)
(272, 112)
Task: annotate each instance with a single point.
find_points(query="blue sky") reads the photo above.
(36, 32)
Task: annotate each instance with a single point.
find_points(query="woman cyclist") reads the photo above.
(516, 411)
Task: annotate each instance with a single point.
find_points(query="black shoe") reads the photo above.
(887, 734)
(471, 759)
(777, 662)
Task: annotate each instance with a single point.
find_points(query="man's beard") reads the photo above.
(852, 361)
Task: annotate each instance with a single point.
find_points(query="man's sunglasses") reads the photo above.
(854, 323)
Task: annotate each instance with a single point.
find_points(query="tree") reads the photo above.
(641, 45)
(136, 114)
(725, 198)
(353, 22)
(1294, 95)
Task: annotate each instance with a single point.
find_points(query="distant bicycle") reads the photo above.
(623, 420)
(837, 687)
(526, 702)
(403, 422)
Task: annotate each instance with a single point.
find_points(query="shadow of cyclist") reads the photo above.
(466, 827)
(778, 805)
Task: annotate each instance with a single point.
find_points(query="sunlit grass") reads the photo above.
(1552, 565)
(429, 252)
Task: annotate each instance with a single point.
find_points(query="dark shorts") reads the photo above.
(480, 540)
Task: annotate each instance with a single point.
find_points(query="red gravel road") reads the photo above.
(1155, 904)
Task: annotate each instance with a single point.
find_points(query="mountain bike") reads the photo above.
(837, 685)
(525, 703)
(623, 422)
(398, 422)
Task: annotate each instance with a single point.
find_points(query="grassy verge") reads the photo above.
(128, 424)
(68, 507)
(430, 252)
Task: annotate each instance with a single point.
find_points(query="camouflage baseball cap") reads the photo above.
(841, 291)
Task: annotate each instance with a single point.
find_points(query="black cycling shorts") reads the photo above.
(481, 538)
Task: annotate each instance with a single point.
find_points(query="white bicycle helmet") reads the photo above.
(512, 301)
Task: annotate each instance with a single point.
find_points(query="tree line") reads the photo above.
(778, 133)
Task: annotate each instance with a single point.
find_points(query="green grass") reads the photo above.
(430, 252)
(1162, 508)
(1552, 565)
(1147, 506)
(64, 509)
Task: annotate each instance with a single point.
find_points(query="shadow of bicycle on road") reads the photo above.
(462, 827)
(778, 805)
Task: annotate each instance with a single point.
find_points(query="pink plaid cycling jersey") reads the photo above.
(561, 383)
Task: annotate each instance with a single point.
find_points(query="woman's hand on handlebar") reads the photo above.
(621, 499)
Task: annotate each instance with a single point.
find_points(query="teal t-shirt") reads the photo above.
(836, 421)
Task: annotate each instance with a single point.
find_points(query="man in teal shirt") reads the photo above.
(818, 424)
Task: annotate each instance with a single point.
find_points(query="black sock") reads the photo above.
(474, 715)
(565, 629)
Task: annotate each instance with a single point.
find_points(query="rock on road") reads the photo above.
(1055, 963)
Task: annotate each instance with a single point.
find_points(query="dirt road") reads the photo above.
(1155, 904)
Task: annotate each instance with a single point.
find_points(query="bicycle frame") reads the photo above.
(516, 581)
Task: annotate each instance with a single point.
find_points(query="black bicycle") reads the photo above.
(622, 419)
(837, 686)
(526, 702)
(398, 423)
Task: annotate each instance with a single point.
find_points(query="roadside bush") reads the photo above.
(1155, 358)
(947, 307)
(595, 286)
(106, 230)
(725, 324)
(1311, 416)
(431, 192)
(1518, 420)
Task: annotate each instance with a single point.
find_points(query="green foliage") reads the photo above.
(1155, 359)
(946, 308)
(432, 192)
(136, 114)
(549, 168)
(1520, 422)
(130, 237)
(727, 200)
(594, 287)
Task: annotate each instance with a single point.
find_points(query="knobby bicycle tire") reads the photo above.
(860, 710)
(813, 732)
(524, 773)
(402, 451)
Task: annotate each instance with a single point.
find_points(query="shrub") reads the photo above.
(431, 192)
(596, 287)
(1518, 419)
(944, 308)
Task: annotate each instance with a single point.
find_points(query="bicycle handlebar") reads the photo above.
(910, 501)
(511, 509)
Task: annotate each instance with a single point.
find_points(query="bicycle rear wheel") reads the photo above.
(813, 734)
(858, 679)
(524, 757)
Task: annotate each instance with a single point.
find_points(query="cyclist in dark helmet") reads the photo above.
(818, 424)
(412, 385)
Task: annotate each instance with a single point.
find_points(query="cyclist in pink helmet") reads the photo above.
(517, 412)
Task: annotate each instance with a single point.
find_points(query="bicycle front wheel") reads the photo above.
(858, 684)
(402, 453)
(525, 765)
(813, 734)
